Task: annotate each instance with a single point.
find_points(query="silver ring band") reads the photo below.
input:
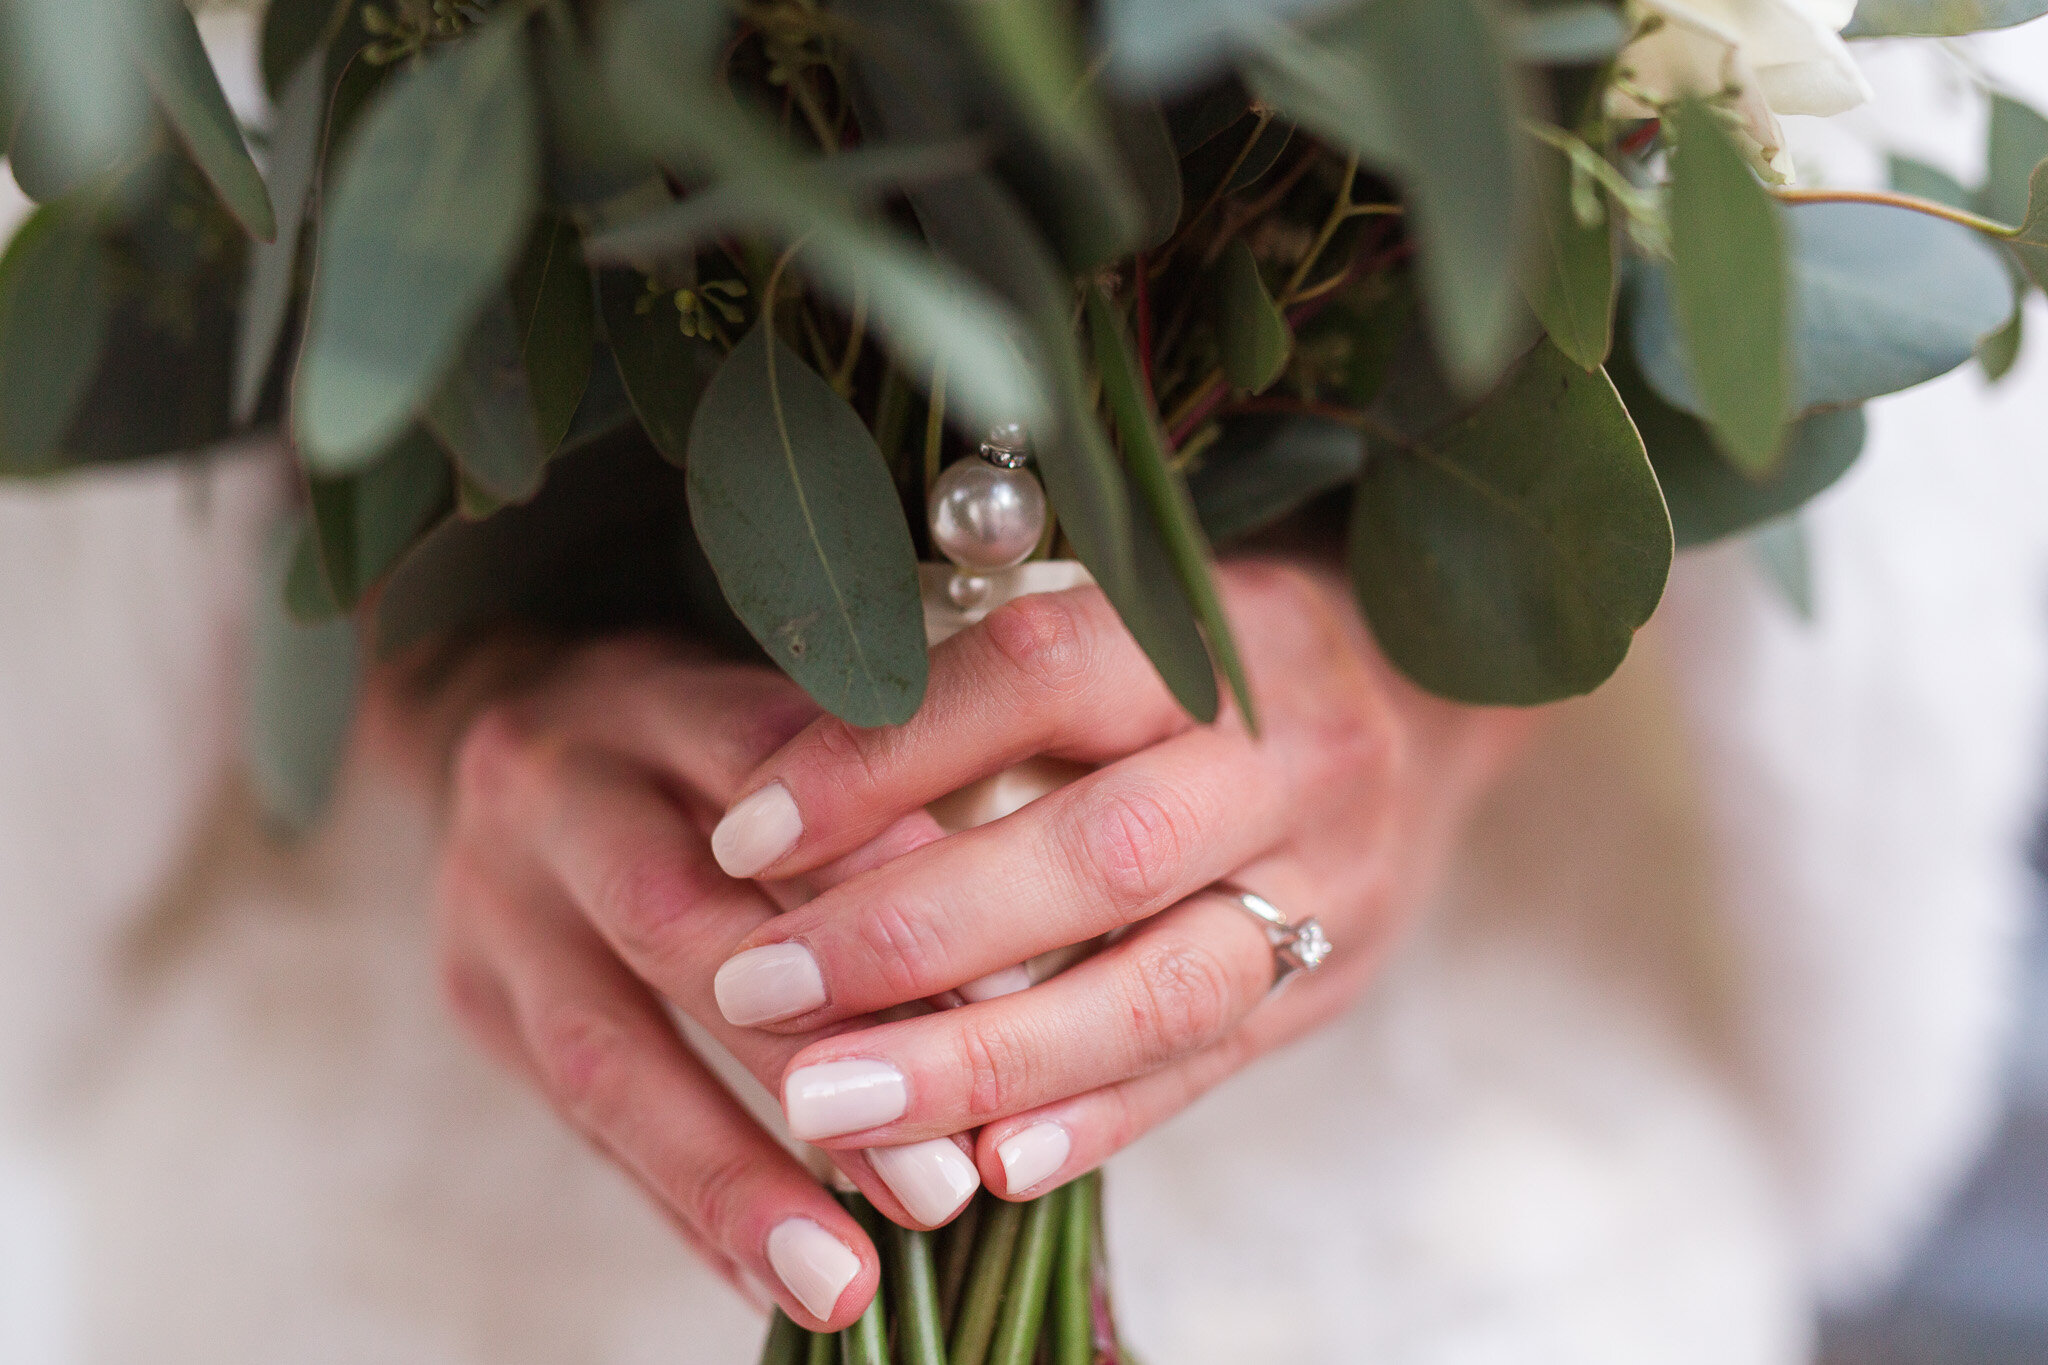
(1296, 948)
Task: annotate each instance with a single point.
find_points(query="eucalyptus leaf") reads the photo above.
(303, 684)
(1508, 555)
(174, 63)
(1882, 299)
(85, 109)
(664, 371)
(432, 204)
(485, 411)
(1780, 551)
(1570, 276)
(1169, 44)
(1250, 329)
(56, 296)
(1923, 181)
(1574, 33)
(1264, 466)
(364, 523)
(291, 30)
(1164, 493)
(551, 301)
(273, 265)
(605, 408)
(1029, 46)
(1729, 289)
(1423, 90)
(2000, 351)
(2017, 142)
(1145, 144)
(798, 514)
(1938, 18)
(926, 311)
(2030, 247)
(1709, 498)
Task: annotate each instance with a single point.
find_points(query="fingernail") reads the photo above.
(933, 1179)
(1032, 1154)
(762, 985)
(842, 1097)
(1008, 981)
(757, 831)
(815, 1265)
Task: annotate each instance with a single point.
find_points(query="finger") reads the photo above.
(612, 1064)
(625, 856)
(1174, 987)
(1104, 851)
(1027, 1154)
(1053, 673)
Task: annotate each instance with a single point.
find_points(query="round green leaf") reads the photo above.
(1708, 497)
(1882, 299)
(364, 523)
(431, 206)
(267, 288)
(1263, 467)
(1507, 556)
(798, 514)
(1938, 18)
(302, 697)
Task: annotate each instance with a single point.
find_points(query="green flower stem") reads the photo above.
(992, 1253)
(824, 1350)
(1024, 1297)
(956, 1257)
(787, 1344)
(867, 1341)
(915, 1294)
(1074, 1287)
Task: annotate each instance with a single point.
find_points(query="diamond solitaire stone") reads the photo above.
(1308, 947)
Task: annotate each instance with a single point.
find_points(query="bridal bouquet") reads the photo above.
(586, 313)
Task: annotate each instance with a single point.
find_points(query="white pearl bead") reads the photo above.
(986, 518)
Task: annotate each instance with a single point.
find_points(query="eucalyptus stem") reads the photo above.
(992, 1254)
(867, 1341)
(787, 1344)
(824, 1350)
(1990, 227)
(935, 428)
(956, 1257)
(1023, 1314)
(919, 1338)
(1074, 1287)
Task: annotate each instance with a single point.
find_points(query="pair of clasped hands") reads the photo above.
(633, 829)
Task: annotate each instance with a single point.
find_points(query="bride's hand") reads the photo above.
(1342, 809)
(577, 895)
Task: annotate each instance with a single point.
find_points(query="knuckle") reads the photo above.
(1134, 842)
(1040, 639)
(1180, 1000)
(846, 753)
(644, 895)
(583, 1063)
(907, 950)
(998, 1064)
(502, 756)
(713, 1194)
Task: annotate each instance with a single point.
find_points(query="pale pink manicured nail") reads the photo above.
(815, 1265)
(757, 831)
(1032, 1154)
(762, 985)
(1008, 981)
(842, 1097)
(933, 1179)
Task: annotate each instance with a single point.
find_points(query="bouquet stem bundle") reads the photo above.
(1005, 1283)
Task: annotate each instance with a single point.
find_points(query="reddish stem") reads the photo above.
(1199, 413)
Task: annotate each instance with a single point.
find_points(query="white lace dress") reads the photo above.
(1705, 1024)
